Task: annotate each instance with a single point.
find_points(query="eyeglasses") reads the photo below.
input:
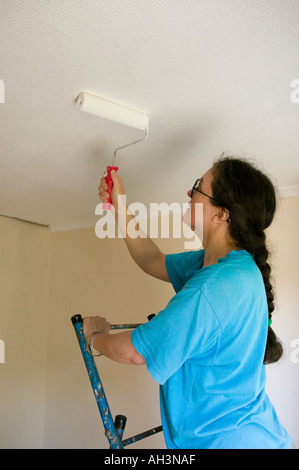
(196, 187)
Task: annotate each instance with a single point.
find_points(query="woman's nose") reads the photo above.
(189, 193)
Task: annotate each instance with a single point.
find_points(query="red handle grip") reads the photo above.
(109, 181)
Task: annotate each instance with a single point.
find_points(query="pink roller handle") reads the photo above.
(108, 205)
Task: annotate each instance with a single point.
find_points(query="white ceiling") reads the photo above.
(213, 76)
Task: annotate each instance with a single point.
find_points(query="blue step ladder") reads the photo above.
(113, 429)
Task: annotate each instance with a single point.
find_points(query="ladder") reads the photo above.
(113, 429)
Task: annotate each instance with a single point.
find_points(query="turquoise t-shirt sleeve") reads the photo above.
(183, 331)
(180, 266)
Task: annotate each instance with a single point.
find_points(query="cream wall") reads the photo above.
(283, 376)
(46, 397)
(92, 276)
(24, 290)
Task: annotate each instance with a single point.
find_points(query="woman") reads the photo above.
(209, 346)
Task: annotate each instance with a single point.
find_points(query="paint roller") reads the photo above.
(118, 113)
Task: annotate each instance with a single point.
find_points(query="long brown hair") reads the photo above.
(249, 196)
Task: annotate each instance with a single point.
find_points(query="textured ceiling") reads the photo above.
(213, 76)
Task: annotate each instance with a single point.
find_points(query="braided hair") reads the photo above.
(249, 196)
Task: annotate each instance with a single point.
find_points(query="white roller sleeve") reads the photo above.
(113, 111)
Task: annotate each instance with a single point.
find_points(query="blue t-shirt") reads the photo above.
(206, 350)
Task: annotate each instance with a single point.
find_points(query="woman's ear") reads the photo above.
(221, 215)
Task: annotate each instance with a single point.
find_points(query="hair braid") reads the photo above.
(249, 196)
(256, 246)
